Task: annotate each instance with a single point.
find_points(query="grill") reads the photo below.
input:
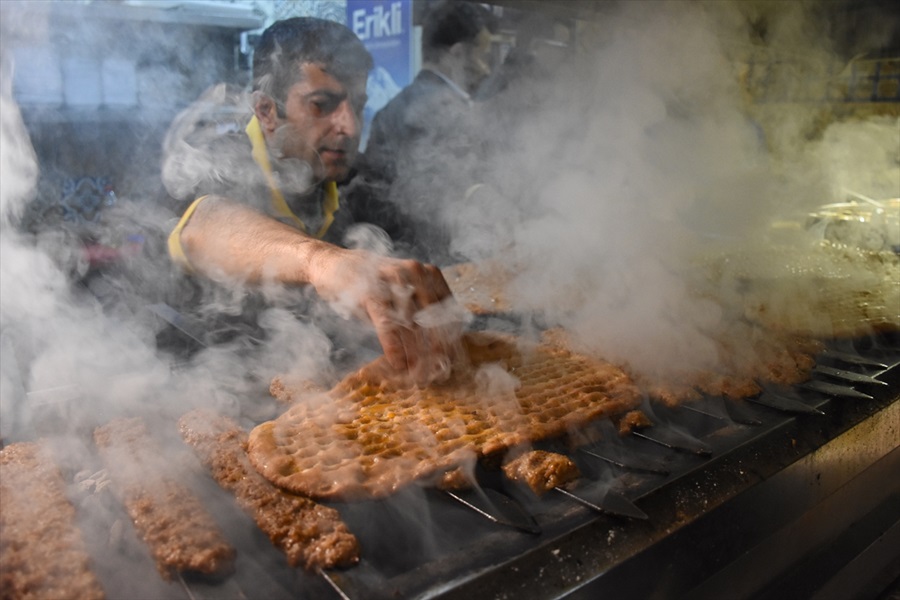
(720, 499)
(749, 501)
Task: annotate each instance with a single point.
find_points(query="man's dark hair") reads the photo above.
(287, 44)
(451, 22)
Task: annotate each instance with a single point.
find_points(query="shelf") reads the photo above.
(198, 13)
(39, 114)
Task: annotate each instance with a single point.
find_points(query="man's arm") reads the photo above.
(230, 242)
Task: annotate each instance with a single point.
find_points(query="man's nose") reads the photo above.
(345, 119)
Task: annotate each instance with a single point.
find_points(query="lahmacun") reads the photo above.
(374, 433)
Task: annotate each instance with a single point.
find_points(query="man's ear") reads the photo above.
(266, 111)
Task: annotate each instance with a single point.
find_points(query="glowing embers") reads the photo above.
(372, 433)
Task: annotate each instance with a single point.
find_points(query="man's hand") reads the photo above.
(417, 321)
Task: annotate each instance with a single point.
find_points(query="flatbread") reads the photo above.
(480, 287)
(373, 433)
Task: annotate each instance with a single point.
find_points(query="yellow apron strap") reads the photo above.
(279, 205)
(330, 205)
(176, 250)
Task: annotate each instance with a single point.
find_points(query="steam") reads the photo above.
(53, 340)
(610, 183)
(610, 180)
(69, 359)
(651, 162)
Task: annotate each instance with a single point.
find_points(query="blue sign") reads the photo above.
(385, 28)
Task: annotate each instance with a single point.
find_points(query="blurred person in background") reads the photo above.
(423, 151)
(263, 199)
(542, 46)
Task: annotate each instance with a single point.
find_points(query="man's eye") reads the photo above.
(322, 108)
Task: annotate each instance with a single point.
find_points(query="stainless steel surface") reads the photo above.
(782, 402)
(629, 463)
(230, 15)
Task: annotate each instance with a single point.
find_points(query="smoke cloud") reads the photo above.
(608, 181)
(612, 184)
(56, 344)
(650, 162)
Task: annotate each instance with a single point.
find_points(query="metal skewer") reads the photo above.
(332, 583)
(832, 389)
(674, 441)
(496, 507)
(846, 375)
(186, 587)
(631, 464)
(854, 359)
(608, 502)
(739, 419)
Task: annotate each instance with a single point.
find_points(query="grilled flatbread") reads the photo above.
(374, 433)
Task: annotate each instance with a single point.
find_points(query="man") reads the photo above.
(423, 147)
(267, 207)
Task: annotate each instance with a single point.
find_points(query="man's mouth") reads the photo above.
(333, 154)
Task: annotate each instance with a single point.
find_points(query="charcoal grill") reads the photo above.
(795, 492)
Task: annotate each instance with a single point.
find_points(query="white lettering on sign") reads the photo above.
(379, 23)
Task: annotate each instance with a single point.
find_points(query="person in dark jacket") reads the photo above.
(423, 146)
(265, 205)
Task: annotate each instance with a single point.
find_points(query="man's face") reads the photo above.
(323, 122)
(478, 60)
